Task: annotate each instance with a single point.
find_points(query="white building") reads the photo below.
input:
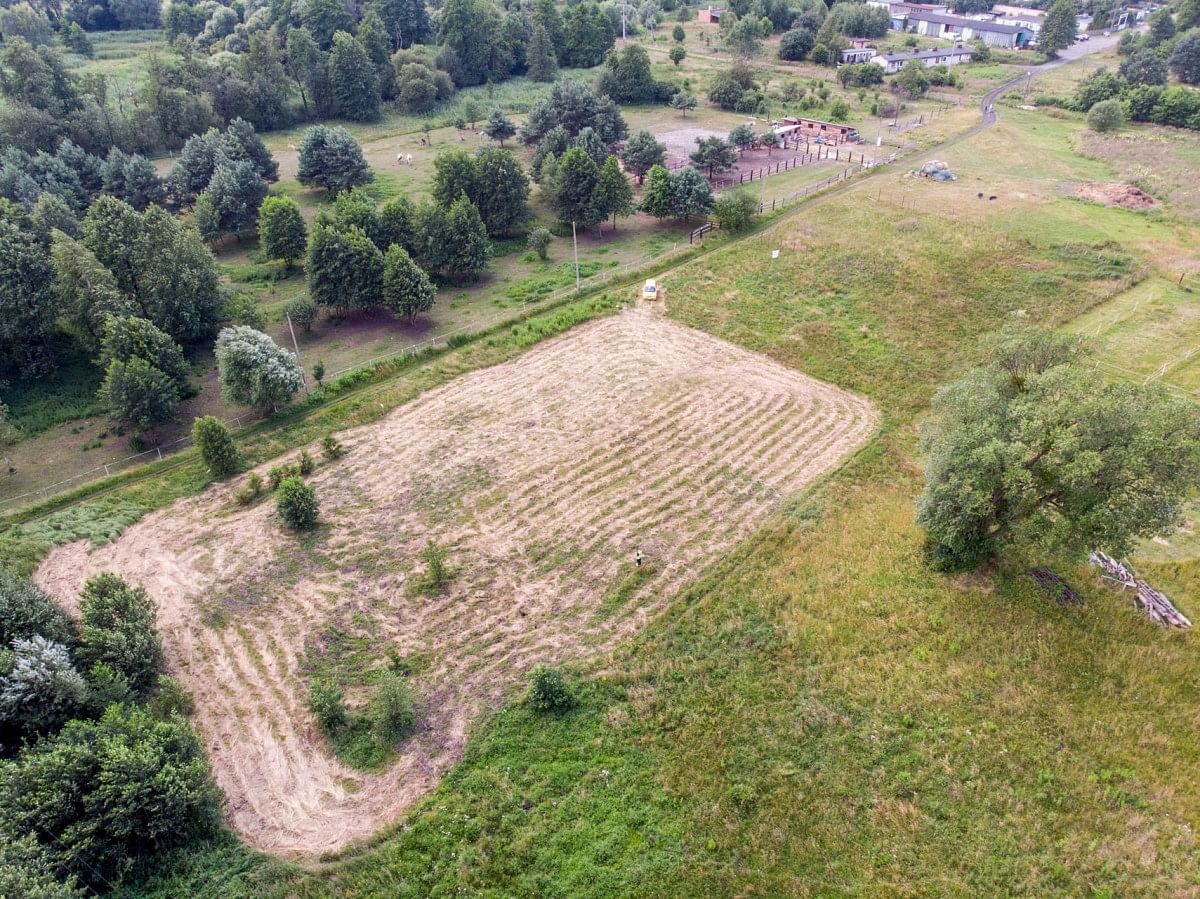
(943, 56)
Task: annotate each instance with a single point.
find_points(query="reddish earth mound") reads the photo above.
(1125, 196)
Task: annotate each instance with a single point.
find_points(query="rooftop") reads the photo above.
(976, 24)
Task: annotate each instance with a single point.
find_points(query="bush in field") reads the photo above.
(539, 241)
(1107, 115)
(437, 572)
(328, 706)
(735, 210)
(331, 448)
(302, 311)
(305, 462)
(548, 690)
(117, 629)
(101, 796)
(392, 711)
(297, 504)
(26, 611)
(215, 443)
(250, 490)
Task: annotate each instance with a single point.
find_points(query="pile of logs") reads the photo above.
(1156, 606)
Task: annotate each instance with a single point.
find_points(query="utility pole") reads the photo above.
(575, 242)
(296, 346)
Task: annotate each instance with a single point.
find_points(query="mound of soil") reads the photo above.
(1126, 196)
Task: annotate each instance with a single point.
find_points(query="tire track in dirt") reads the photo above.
(540, 476)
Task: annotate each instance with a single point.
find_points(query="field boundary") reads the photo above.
(449, 340)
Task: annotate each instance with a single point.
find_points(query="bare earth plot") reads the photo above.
(541, 476)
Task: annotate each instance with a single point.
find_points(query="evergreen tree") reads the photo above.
(281, 230)
(1059, 29)
(353, 79)
(614, 194)
(588, 35)
(556, 142)
(235, 193)
(641, 153)
(331, 158)
(546, 16)
(498, 127)
(656, 197)
(117, 629)
(472, 31)
(541, 59)
(141, 183)
(406, 289)
(677, 54)
(51, 213)
(241, 141)
(683, 101)
(195, 165)
(590, 143)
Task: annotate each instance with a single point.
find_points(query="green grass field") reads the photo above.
(819, 714)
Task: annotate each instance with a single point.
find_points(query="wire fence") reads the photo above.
(161, 451)
(445, 338)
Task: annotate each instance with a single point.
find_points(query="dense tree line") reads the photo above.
(1140, 88)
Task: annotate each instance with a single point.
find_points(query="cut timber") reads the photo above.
(1062, 592)
(1156, 606)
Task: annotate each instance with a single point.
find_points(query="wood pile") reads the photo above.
(1157, 607)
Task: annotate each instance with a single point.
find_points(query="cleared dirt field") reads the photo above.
(541, 477)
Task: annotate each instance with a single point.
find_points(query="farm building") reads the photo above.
(959, 28)
(710, 16)
(795, 127)
(900, 11)
(858, 54)
(942, 56)
(1033, 19)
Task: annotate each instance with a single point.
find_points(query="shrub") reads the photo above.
(305, 463)
(117, 628)
(216, 447)
(279, 473)
(548, 690)
(735, 210)
(1107, 115)
(297, 504)
(319, 371)
(539, 241)
(392, 710)
(437, 573)
(302, 311)
(252, 488)
(102, 795)
(326, 702)
(26, 611)
(331, 448)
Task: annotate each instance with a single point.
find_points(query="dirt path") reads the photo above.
(542, 476)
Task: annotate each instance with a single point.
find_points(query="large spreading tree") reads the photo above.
(1031, 449)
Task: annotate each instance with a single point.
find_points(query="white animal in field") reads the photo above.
(408, 159)
(399, 159)
(291, 146)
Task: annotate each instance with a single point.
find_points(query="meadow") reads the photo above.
(818, 713)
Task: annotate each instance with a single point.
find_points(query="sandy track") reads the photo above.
(542, 476)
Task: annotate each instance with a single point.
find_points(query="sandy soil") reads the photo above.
(1125, 196)
(542, 476)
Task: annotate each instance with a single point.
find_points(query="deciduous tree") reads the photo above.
(281, 230)
(253, 370)
(407, 290)
(641, 153)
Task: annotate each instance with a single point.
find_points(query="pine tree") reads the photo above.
(406, 289)
(352, 76)
(591, 144)
(241, 141)
(540, 59)
(235, 193)
(331, 158)
(281, 230)
(614, 194)
(498, 127)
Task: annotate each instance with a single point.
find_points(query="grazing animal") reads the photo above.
(408, 159)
